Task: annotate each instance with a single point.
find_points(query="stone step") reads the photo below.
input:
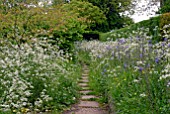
(84, 78)
(89, 104)
(85, 74)
(86, 71)
(88, 97)
(85, 91)
(84, 81)
(83, 84)
(89, 111)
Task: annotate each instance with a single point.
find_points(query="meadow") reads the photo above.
(131, 74)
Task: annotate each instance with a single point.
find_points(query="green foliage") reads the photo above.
(151, 26)
(83, 56)
(166, 7)
(105, 3)
(20, 24)
(92, 14)
(129, 75)
(56, 2)
(165, 25)
(112, 10)
(127, 21)
(68, 34)
(64, 27)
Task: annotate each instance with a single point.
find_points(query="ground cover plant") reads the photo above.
(34, 78)
(132, 74)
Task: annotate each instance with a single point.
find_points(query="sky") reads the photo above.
(138, 15)
(144, 15)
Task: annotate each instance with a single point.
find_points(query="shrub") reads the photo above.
(68, 34)
(165, 25)
(91, 35)
(54, 23)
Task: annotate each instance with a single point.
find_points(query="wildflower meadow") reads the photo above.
(131, 74)
(37, 79)
(47, 66)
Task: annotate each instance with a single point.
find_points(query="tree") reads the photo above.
(57, 25)
(165, 6)
(55, 2)
(91, 14)
(112, 10)
(15, 18)
(162, 2)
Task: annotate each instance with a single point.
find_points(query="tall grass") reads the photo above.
(132, 74)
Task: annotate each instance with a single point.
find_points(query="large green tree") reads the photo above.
(112, 10)
(165, 6)
(91, 14)
(162, 2)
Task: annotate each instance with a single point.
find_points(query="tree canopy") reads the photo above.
(165, 6)
(112, 10)
(92, 14)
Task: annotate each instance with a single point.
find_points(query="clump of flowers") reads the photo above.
(133, 73)
(33, 78)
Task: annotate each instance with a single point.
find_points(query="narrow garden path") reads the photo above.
(87, 103)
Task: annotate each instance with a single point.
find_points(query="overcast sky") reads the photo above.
(144, 15)
(140, 13)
